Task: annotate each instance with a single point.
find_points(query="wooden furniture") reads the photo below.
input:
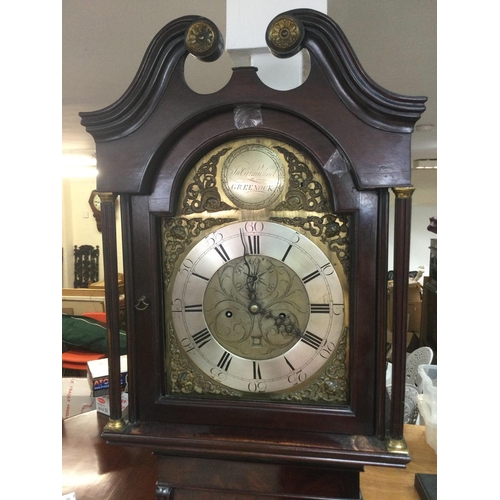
(86, 265)
(338, 144)
(77, 301)
(91, 468)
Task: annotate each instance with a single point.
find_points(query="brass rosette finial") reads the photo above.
(284, 35)
(203, 40)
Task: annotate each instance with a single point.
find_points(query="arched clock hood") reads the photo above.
(153, 111)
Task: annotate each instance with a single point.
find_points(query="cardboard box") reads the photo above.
(76, 397)
(102, 403)
(98, 379)
(414, 306)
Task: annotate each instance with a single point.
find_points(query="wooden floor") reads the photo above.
(398, 484)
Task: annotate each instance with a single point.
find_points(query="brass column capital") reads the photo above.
(403, 192)
(106, 197)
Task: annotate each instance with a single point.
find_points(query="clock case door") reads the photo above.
(356, 131)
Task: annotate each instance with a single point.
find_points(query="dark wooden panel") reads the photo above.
(264, 480)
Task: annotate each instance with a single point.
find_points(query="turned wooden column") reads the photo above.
(402, 224)
(112, 307)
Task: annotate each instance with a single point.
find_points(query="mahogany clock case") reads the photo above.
(354, 132)
(356, 414)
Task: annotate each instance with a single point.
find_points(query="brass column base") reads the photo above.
(115, 425)
(396, 445)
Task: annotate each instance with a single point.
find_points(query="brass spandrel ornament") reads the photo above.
(202, 194)
(331, 385)
(179, 233)
(331, 229)
(304, 191)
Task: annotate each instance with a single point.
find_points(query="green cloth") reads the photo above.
(80, 332)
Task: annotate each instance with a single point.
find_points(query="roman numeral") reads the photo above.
(256, 370)
(254, 244)
(310, 277)
(311, 340)
(202, 337)
(286, 253)
(193, 309)
(320, 308)
(222, 252)
(225, 361)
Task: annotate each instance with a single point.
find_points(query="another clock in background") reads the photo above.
(95, 205)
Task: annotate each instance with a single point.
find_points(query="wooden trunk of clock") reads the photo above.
(255, 230)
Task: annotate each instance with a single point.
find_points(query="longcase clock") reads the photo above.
(256, 260)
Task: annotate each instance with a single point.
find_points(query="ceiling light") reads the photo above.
(429, 164)
(425, 128)
(78, 164)
(79, 159)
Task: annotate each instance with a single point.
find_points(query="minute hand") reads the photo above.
(251, 277)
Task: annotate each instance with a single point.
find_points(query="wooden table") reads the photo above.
(398, 484)
(94, 470)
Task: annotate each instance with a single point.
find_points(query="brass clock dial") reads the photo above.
(257, 307)
(256, 278)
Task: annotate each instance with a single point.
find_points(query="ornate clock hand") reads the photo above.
(251, 280)
(284, 323)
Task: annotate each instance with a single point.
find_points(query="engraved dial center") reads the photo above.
(269, 305)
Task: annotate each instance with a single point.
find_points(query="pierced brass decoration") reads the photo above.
(200, 38)
(178, 233)
(202, 194)
(284, 33)
(304, 193)
(243, 180)
(331, 385)
(331, 229)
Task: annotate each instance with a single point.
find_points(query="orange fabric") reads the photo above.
(77, 360)
(99, 316)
